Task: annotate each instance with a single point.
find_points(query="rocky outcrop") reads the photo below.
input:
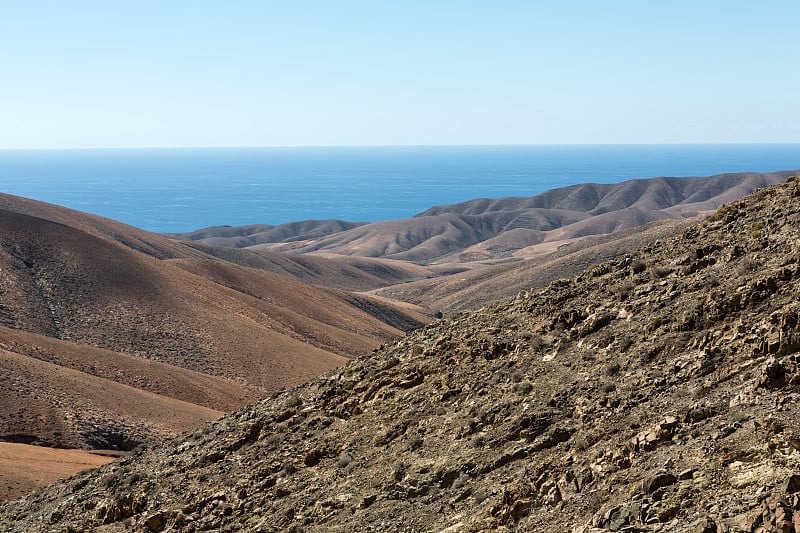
(658, 392)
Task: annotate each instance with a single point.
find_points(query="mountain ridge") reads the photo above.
(465, 232)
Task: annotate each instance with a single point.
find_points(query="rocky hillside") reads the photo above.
(658, 392)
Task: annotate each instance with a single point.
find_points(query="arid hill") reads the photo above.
(331, 271)
(111, 336)
(488, 229)
(656, 392)
(482, 285)
(244, 236)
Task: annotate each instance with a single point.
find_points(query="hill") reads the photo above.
(490, 229)
(479, 286)
(244, 236)
(111, 336)
(657, 392)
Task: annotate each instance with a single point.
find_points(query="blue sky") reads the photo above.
(84, 74)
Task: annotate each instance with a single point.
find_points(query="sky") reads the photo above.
(117, 73)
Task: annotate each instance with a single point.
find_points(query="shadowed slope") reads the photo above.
(354, 274)
(48, 404)
(71, 285)
(149, 243)
(147, 375)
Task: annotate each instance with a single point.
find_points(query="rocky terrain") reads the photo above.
(656, 392)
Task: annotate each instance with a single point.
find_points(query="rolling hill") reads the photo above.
(490, 229)
(656, 392)
(111, 336)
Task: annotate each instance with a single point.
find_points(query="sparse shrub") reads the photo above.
(415, 443)
(599, 269)
(720, 213)
(536, 342)
(624, 290)
(748, 265)
(755, 229)
(480, 496)
(697, 392)
(612, 369)
(399, 471)
(523, 388)
(460, 480)
(739, 417)
(624, 344)
(344, 460)
(660, 272)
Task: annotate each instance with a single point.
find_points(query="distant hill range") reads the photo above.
(487, 230)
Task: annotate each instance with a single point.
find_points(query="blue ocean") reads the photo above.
(177, 190)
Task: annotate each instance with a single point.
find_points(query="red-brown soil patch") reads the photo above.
(24, 468)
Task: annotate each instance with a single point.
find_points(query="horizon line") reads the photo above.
(301, 146)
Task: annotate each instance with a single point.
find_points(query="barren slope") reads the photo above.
(354, 274)
(483, 285)
(490, 228)
(244, 236)
(659, 392)
(163, 337)
(70, 285)
(24, 467)
(47, 404)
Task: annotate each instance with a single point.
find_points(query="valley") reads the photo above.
(116, 339)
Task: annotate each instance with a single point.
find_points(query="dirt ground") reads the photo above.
(24, 467)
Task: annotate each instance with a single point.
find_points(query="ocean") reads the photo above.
(178, 190)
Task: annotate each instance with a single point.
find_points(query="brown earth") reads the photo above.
(111, 336)
(323, 270)
(656, 392)
(486, 283)
(24, 467)
(244, 236)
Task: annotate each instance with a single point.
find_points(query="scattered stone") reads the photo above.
(657, 481)
(155, 522)
(792, 484)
